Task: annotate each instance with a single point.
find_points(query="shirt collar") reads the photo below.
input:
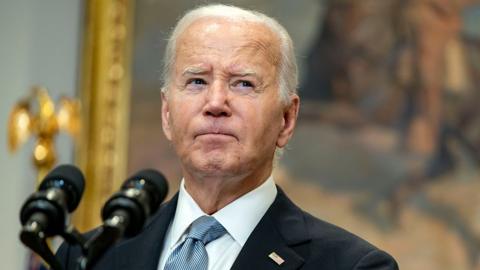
(187, 211)
(239, 217)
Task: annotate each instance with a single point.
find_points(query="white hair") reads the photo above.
(288, 77)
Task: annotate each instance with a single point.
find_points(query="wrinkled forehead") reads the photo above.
(230, 34)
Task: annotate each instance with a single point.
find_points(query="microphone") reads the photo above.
(125, 213)
(59, 192)
(139, 197)
(44, 213)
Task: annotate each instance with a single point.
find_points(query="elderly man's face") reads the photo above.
(223, 110)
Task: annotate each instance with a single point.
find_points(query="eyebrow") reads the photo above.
(194, 71)
(244, 73)
(188, 71)
(241, 71)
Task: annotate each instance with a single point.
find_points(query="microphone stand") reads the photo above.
(112, 230)
(32, 236)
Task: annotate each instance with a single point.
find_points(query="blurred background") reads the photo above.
(388, 139)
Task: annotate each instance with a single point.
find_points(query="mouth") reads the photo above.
(215, 134)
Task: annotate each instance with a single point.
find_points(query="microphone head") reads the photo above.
(153, 182)
(69, 179)
(139, 197)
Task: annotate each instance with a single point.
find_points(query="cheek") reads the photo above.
(178, 122)
(185, 114)
(264, 126)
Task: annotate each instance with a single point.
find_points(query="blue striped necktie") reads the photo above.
(191, 254)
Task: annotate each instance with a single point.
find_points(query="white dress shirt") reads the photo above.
(239, 218)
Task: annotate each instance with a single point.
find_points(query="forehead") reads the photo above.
(229, 37)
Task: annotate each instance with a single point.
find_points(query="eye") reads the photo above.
(196, 81)
(195, 84)
(243, 86)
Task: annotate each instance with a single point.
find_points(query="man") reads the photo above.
(229, 102)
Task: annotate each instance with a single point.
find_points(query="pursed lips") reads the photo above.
(215, 132)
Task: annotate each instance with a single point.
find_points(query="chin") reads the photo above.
(215, 165)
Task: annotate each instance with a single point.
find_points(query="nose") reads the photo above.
(217, 101)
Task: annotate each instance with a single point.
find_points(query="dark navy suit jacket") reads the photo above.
(303, 241)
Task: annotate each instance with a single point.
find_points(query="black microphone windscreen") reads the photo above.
(68, 178)
(157, 181)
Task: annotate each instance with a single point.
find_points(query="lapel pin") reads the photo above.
(274, 256)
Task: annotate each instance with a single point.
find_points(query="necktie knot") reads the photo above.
(206, 229)
(191, 254)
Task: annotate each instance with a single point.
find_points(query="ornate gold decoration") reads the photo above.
(44, 124)
(105, 93)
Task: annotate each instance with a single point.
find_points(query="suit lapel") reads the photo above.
(280, 230)
(143, 251)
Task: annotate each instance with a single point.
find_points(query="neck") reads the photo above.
(212, 193)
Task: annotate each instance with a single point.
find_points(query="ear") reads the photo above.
(290, 114)
(166, 116)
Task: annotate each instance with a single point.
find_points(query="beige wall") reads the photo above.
(39, 44)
